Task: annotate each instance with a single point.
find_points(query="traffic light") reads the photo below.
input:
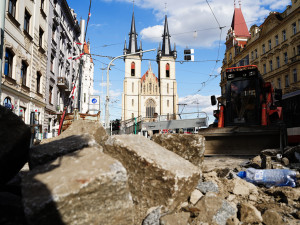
(188, 55)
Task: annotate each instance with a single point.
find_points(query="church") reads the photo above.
(147, 95)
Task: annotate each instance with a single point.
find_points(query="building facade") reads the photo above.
(274, 47)
(25, 59)
(149, 96)
(62, 68)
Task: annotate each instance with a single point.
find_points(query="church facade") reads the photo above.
(149, 96)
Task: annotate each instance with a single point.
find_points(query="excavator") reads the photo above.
(248, 118)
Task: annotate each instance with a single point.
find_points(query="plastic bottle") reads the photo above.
(269, 177)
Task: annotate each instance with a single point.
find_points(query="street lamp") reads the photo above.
(107, 84)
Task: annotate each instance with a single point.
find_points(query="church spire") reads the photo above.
(132, 37)
(166, 46)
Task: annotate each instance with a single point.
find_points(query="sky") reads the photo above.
(192, 24)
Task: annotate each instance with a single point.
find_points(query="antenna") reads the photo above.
(133, 5)
(166, 8)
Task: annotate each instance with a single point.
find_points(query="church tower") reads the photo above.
(132, 82)
(167, 75)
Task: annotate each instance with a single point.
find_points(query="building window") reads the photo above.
(144, 88)
(283, 35)
(279, 83)
(252, 55)
(276, 40)
(53, 32)
(132, 87)
(132, 69)
(270, 44)
(167, 88)
(38, 82)
(168, 102)
(22, 113)
(295, 75)
(230, 57)
(7, 103)
(23, 72)
(271, 65)
(42, 4)
(50, 94)
(263, 49)
(12, 7)
(132, 102)
(41, 33)
(167, 70)
(52, 63)
(26, 21)
(132, 115)
(294, 28)
(8, 62)
(298, 50)
(84, 97)
(150, 108)
(285, 56)
(264, 68)
(287, 81)
(278, 61)
(255, 53)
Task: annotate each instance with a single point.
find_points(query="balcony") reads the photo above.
(296, 58)
(62, 83)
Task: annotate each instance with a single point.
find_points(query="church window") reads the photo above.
(167, 88)
(132, 102)
(132, 69)
(132, 87)
(144, 88)
(168, 103)
(150, 108)
(167, 70)
(150, 88)
(156, 89)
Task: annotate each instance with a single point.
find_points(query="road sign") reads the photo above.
(94, 103)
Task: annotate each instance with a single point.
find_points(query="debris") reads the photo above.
(180, 218)
(157, 176)
(249, 214)
(243, 188)
(14, 144)
(271, 217)
(188, 146)
(195, 196)
(208, 186)
(153, 217)
(86, 187)
(269, 178)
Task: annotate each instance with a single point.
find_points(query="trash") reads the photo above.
(270, 177)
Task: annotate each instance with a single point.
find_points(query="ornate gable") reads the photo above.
(149, 83)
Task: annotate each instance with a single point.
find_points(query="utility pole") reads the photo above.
(107, 84)
(2, 27)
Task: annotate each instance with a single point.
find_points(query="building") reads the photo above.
(25, 59)
(87, 80)
(274, 47)
(64, 33)
(148, 96)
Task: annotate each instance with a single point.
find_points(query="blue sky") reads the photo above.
(191, 24)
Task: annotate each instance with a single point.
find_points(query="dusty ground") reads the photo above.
(221, 162)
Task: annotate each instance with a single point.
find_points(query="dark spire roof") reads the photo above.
(166, 46)
(132, 37)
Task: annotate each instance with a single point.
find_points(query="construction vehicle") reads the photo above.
(248, 118)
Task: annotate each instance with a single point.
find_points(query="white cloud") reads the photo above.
(185, 17)
(115, 93)
(96, 25)
(96, 92)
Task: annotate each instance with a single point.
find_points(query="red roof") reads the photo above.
(238, 24)
(86, 50)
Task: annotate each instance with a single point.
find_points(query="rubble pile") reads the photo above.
(85, 177)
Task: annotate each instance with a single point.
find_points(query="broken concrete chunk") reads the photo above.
(213, 210)
(153, 216)
(195, 196)
(85, 187)
(243, 188)
(249, 214)
(189, 146)
(271, 217)
(14, 144)
(79, 135)
(180, 218)
(208, 186)
(157, 176)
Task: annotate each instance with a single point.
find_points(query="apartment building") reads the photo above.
(274, 47)
(25, 59)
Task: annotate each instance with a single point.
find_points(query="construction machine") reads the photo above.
(248, 118)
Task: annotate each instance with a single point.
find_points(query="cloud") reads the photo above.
(115, 93)
(96, 25)
(96, 92)
(186, 17)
